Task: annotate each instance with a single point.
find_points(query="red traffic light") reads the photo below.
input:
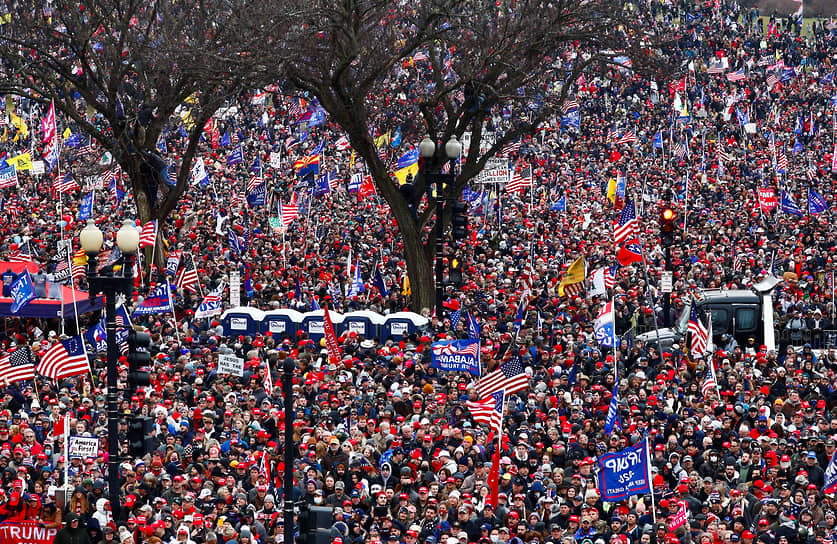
(668, 214)
(667, 218)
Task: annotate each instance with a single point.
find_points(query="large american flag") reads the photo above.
(253, 183)
(17, 366)
(148, 236)
(627, 138)
(64, 184)
(699, 333)
(738, 75)
(716, 68)
(510, 148)
(23, 254)
(627, 225)
(520, 180)
(510, 378)
(187, 276)
(64, 359)
(488, 410)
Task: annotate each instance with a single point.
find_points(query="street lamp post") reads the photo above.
(127, 239)
(288, 484)
(441, 181)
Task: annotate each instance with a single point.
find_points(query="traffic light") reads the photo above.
(455, 272)
(668, 218)
(314, 524)
(459, 220)
(138, 358)
(140, 441)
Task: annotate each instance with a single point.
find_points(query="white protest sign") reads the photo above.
(496, 170)
(275, 159)
(38, 168)
(230, 364)
(235, 289)
(83, 447)
(199, 174)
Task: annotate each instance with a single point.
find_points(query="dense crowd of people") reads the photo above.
(385, 439)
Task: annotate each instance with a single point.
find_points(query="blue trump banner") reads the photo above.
(157, 301)
(830, 483)
(456, 355)
(625, 473)
(23, 292)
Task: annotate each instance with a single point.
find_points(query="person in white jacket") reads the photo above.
(102, 513)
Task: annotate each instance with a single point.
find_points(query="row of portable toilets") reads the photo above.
(246, 321)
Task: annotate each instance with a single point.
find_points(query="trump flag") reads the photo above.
(456, 355)
(624, 473)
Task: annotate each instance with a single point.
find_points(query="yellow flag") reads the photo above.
(186, 115)
(611, 189)
(21, 162)
(5, 18)
(80, 258)
(352, 161)
(401, 174)
(575, 274)
(20, 124)
(382, 140)
(5, 134)
(406, 290)
(67, 133)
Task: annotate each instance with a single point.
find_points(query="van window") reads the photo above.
(746, 320)
(720, 321)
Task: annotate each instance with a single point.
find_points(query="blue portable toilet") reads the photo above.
(281, 323)
(364, 323)
(242, 321)
(399, 323)
(312, 323)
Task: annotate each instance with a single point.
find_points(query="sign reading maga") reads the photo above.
(25, 532)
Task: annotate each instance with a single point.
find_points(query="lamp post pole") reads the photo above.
(441, 182)
(288, 484)
(110, 286)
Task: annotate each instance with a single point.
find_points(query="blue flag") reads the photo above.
(225, 139)
(96, 336)
(658, 140)
(235, 242)
(571, 120)
(23, 292)
(158, 301)
(378, 280)
(456, 355)
(797, 146)
(789, 205)
(521, 311)
(613, 411)
(604, 326)
(830, 484)
(624, 473)
(561, 205)
(323, 186)
(236, 156)
(408, 159)
(85, 210)
(816, 203)
(473, 328)
(455, 316)
(396, 138)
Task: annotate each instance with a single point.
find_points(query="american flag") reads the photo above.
(87, 149)
(420, 56)
(187, 276)
(710, 382)
(520, 180)
(268, 379)
(294, 108)
(699, 333)
(679, 150)
(610, 276)
(510, 378)
(716, 68)
(488, 410)
(772, 79)
(811, 173)
(627, 138)
(288, 212)
(569, 105)
(253, 183)
(23, 254)
(611, 135)
(342, 144)
(722, 153)
(17, 366)
(781, 162)
(510, 148)
(64, 359)
(148, 236)
(627, 225)
(64, 184)
(738, 75)
(237, 199)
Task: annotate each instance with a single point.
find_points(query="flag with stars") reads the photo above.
(510, 378)
(17, 366)
(64, 359)
(455, 316)
(489, 410)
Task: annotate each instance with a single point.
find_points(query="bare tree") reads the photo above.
(446, 67)
(125, 71)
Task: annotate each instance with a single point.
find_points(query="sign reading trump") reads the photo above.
(456, 355)
(624, 473)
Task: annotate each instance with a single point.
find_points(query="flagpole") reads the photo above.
(650, 481)
(171, 305)
(67, 450)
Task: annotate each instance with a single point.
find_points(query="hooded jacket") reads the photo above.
(70, 535)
